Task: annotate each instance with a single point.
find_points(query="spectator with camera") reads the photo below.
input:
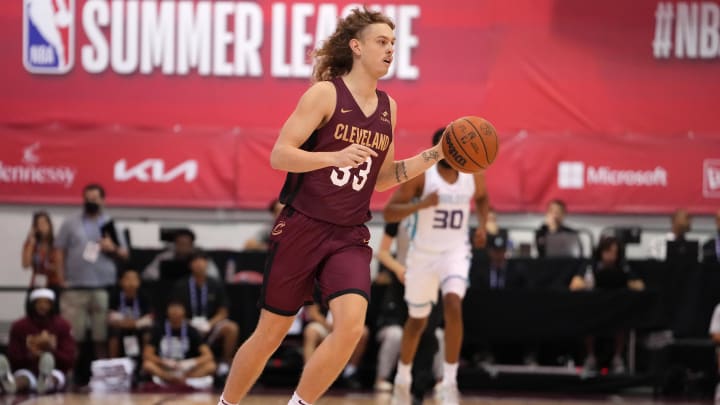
(37, 253)
(183, 246)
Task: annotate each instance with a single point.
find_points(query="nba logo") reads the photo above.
(48, 35)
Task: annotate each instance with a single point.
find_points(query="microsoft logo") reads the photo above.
(571, 175)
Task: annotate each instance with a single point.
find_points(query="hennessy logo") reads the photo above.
(277, 230)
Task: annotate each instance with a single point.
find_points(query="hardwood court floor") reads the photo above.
(346, 399)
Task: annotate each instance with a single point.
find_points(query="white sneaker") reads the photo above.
(7, 381)
(401, 394)
(437, 392)
(45, 380)
(200, 383)
(159, 381)
(450, 395)
(383, 386)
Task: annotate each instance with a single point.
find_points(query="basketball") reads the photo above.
(470, 144)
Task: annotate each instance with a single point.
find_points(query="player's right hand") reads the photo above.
(353, 156)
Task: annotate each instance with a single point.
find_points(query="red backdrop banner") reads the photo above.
(608, 92)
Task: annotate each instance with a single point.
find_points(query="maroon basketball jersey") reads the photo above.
(341, 195)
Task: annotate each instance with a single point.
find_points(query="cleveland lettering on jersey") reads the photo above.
(352, 134)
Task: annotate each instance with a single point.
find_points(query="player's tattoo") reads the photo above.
(400, 172)
(431, 155)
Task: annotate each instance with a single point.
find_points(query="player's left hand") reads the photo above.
(480, 238)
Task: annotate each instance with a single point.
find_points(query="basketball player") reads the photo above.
(337, 147)
(439, 257)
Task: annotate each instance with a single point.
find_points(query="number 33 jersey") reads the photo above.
(445, 226)
(341, 195)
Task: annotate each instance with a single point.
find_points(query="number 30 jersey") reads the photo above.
(444, 226)
(341, 195)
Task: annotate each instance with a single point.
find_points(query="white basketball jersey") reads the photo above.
(444, 226)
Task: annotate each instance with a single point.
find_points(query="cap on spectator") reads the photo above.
(42, 293)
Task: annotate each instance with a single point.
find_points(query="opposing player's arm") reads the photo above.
(482, 201)
(387, 259)
(315, 107)
(401, 202)
(482, 206)
(394, 172)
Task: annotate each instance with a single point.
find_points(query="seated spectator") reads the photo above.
(261, 240)
(176, 354)
(37, 253)
(181, 250)
(41, 349)
(554, 223)
(608, 271)
(711, 248)
(317, 328)
(129, 319)
(206, 305)
(501, 273)
(680, 226)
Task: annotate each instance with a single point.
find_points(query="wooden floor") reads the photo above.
(346, 399)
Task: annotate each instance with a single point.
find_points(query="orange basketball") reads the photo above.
(470, 144)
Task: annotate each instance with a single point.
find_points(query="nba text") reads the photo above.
(222, 38)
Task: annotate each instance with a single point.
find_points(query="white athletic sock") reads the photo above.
(404, 373)
(450, 373)
(296, 400)
(224, 401)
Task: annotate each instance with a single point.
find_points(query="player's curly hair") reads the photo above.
(335, 58)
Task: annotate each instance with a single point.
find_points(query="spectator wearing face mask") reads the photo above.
(86, 254)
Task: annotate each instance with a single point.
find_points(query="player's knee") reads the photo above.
(415, 326)
(419, 311)
(352, 333)
(452, 303)
(230, 329)
(310, 333)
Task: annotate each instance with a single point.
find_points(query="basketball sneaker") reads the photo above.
(449, 395)
(401, 394)
(7, 381)
(46, 365)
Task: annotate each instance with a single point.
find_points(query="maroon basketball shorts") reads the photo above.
(305, 252)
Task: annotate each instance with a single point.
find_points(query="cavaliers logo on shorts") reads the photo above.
(277, 230)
